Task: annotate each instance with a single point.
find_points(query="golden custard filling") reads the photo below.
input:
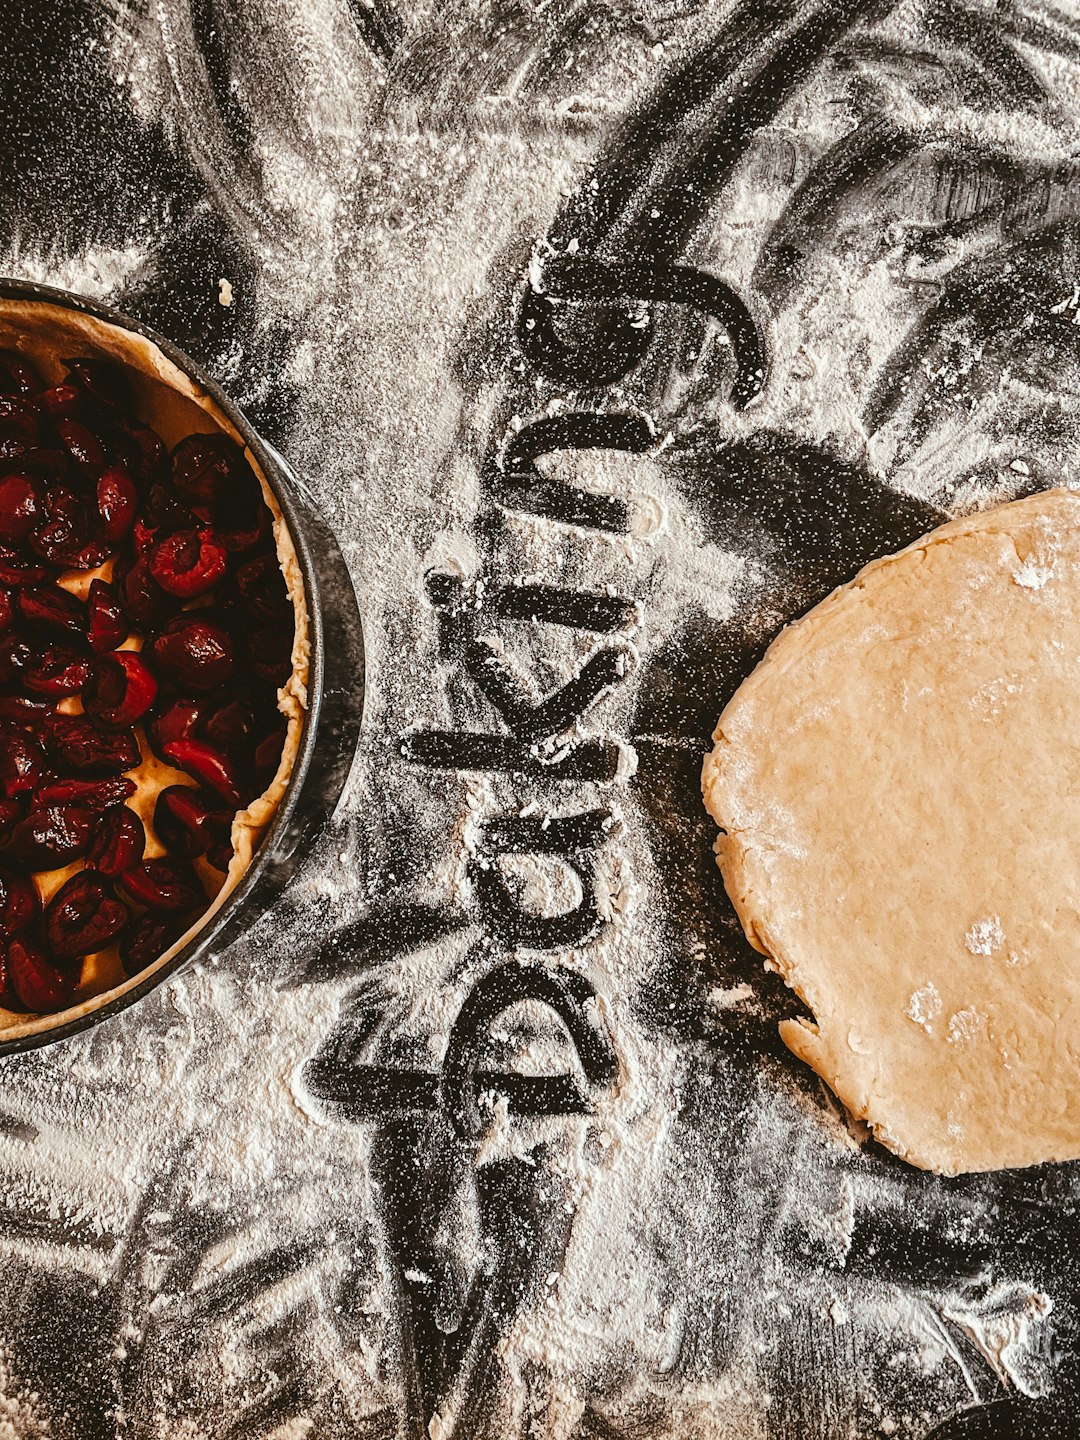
(154, 660)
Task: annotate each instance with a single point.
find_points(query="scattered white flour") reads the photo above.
(964, 1025)
(714, 1203)
(1031, 576)
(20, 1411)
(994, 696)
(1001, 1327)
(97, 272)
(728, 998)
(985, 936)
(924, 1006)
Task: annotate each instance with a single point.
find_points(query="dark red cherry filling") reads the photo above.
(85, 448)
(119, 841)
(119, 689)
(20, 903)
(179, 720)
(102, 382)
(207, 467)
(150, 936)
(54, 608)
(61, 401)
(97, 794)
(83, 916)
(76, 743)
(193, 653)
(116, 501)
(20, 569)
(189, 821)
(144, 602)
(39, 985)
(163, 885)
(50, 837)
(188, 563)
(231, 729)
(107, 624)
(17, 376)
(207, 765)
(262, 596)
(22, 710)
(15, 655)
(243, 521)
(141, 448)
(57, 670)
(177, 647)
(21, 507)
(20, 427)
(22, 764)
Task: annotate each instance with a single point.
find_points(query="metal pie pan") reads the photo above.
(335, 693)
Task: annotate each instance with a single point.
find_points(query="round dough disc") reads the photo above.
(898, 783)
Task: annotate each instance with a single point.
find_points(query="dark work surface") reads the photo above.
(373, 183)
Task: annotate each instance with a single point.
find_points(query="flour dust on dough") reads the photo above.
(898, 787)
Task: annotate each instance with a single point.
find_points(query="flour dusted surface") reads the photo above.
(192, 1243)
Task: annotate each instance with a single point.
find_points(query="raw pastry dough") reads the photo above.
(898, 784)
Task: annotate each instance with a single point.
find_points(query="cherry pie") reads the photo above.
(153, 660)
